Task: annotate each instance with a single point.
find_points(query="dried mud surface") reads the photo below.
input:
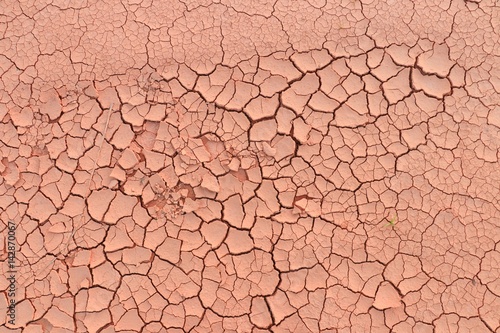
(251, 166)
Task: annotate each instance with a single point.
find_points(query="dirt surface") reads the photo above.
(250, 166)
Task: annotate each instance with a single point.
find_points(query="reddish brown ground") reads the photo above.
(251, 166)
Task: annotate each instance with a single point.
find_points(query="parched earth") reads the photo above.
(250, 166)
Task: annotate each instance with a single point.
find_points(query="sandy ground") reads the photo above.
(250, 166)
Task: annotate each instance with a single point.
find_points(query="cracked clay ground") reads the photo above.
(251, 165)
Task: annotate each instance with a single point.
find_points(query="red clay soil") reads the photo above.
(250, 166)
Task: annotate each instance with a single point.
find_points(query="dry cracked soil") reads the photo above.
(250, 166)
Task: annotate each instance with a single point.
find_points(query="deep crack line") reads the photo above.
(87, 194)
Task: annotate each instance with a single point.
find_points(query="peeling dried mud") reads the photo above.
(251, 166)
